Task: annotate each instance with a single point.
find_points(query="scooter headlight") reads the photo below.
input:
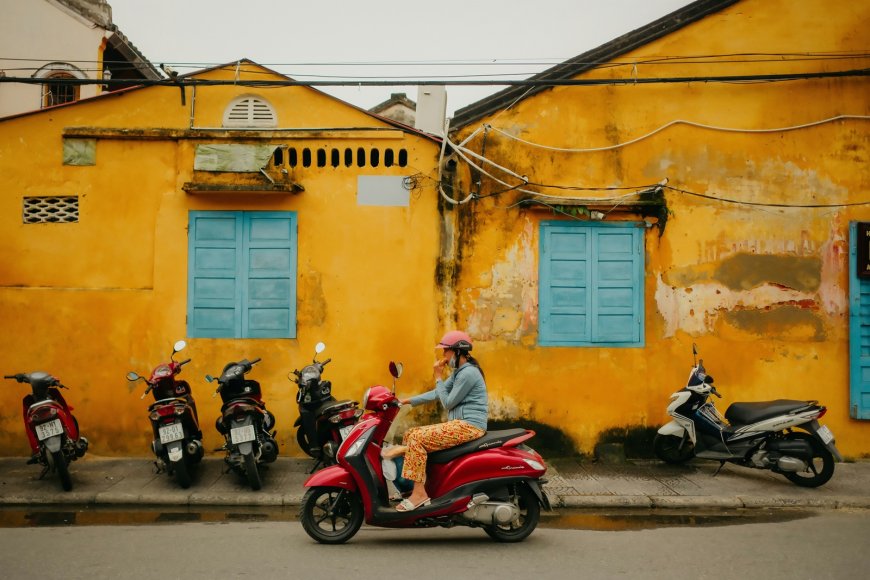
(357, 446)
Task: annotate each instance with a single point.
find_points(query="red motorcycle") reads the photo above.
(493, 482)
(51, 429)
(177, 438)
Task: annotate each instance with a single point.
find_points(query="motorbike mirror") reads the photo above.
(396, 369)
(209, 378)
(178, 346)
(319, 347)
(694, 348)
(131, 376)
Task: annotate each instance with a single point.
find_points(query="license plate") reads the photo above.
(825, 434)
(170, 433)
(345, 431)
(242, 434)
(50, 429)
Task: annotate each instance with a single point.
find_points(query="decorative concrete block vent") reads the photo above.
(38, 210)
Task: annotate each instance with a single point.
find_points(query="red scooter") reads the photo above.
(51, 429)
(177, 439)
(493, 482)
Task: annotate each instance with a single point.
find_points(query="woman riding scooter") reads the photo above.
(464, 396)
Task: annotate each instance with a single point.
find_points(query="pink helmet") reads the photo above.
(456, 340)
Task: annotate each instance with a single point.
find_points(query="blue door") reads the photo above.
(859, 332)
(242, 274)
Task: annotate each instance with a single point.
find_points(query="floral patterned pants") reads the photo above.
(422, 440)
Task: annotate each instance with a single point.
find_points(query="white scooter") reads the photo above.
(761, 435)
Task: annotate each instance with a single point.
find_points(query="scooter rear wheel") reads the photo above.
(821, 465)
(667, 448)
(252, 473)
(182, 472)
(331, 515)
(60, 465)
(530, 513)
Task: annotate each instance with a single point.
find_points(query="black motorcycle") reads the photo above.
(323, 421)
(177, 439)
(244, 422)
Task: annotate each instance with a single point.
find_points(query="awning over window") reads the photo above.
(233, 157)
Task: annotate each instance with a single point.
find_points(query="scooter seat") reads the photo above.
(490, 440)
(749, 413)
(333, 407)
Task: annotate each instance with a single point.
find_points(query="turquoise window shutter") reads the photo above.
(859, 333)
(242, 274)
(591, 284)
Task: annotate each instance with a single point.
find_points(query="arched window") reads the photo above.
(250, 111)
(58, 93)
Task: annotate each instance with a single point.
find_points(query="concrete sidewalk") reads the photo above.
(572, 484)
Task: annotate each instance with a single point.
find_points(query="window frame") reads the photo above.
(243, 303)
(546, 335)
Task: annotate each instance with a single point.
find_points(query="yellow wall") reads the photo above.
(762, 291)
(92, 300)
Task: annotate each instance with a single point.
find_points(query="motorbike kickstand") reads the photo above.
(45, 470)
(157, 469)
(721, 465)
(316, 465)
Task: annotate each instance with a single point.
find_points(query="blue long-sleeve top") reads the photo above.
(463, 394)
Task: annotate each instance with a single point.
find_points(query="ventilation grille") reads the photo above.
(290, 157)
(250, 112)
(39, 210)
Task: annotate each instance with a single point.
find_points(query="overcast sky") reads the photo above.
(304, 39)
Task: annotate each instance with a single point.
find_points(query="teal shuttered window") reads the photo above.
(591, 284)
(242, 274)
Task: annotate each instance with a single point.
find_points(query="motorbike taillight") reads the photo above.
(44, 413)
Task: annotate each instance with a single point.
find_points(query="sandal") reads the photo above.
(407, 506)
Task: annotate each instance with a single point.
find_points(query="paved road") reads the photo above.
(826, 544)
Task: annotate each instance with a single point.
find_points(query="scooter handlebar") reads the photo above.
(256, 360)
(184, 362)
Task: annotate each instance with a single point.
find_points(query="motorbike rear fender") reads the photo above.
(672, 428)
(246, 448)
(53, 443)
(175, 451)
(332, 476)
(535, 486)
(298, 421)
(813, 427)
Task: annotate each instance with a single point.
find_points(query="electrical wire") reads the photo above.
(766, 204)
(671, 124)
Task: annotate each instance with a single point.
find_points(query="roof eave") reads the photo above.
(591, 59)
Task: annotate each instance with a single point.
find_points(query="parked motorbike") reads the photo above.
(493, 482)
(761, 435)
(177, 439)
(323, 421)
(244, 422)
(51, 428)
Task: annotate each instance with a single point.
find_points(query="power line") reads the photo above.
(532, 82)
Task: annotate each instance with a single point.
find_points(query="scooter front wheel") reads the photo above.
(530, 513)
(302, 440)
(668, 448)
(331, 515)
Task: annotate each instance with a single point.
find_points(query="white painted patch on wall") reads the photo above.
(382, 190)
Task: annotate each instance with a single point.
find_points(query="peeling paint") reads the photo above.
(505, 297)
(747, 271)
(794, 322)
(696, 309)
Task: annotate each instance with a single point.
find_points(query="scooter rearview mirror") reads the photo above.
(209, 378)
(131, 376)
(178, 346)
(319, 347)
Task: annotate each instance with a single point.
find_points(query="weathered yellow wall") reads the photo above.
(92, 300)
(762, 291)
